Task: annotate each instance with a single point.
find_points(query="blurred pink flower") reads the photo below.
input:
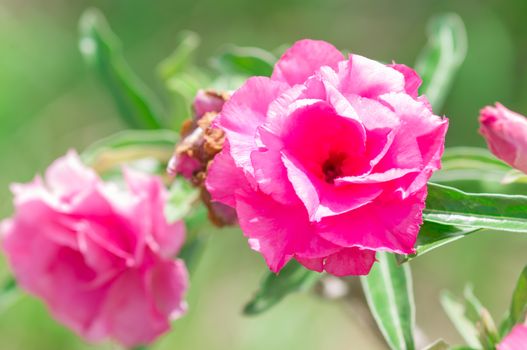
(101, 257)
(515, 340)
(506, 135)
(327, 161)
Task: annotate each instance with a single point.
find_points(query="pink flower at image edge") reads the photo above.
(327, 161)
(515, 340)
(101, 257)
(506, 134)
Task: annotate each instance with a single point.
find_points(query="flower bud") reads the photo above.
(200, 142)
(208, 101)
(506, 134)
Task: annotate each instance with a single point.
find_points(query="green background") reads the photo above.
(50, 102)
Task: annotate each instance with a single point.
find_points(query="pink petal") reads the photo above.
(224, 178)
(412, 80)
(368, 78)
(129, 313)
(278, 231)
(270, 174)
(504, 131)
(387, 225)
(322, 199)
(346, 262)
(169, 284)
(303, 59)
(350, 261)
(68, 176)
(244, 112)
(165, 238)
(515, 340)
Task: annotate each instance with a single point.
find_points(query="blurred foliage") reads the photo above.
(50, 102)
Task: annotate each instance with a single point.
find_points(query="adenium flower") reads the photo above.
(200, 142)
(515, 340)
(101, 257)
(327, 161)
(506, 134)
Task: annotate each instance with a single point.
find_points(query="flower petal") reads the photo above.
(303, 59)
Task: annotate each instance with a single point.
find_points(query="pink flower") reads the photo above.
(327, 161)
(515, 340)
(506, 135)
(100, 256)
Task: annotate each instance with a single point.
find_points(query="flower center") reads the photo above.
(332, 167)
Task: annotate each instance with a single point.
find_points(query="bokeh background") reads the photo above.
(50, 102)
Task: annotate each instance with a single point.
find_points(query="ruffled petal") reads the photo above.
(244, 112)
(383, 225)
(303, 59)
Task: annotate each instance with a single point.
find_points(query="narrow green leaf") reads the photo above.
(182, 57)
(9, 293)
(292, 278)
(442, 56)
(518, 307)
(130, 145)
(471, 157)
(389, 293)
(456, 313)
(473, 305)
(101, 48)
(246, 61)
(450, 206)
(438, 345)
(433, 235)
(181, 76)
(480, 316)
(514, 176)
(470, 164)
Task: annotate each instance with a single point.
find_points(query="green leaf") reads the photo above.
(9, 293)
(388, 291)
(102, 49)
(245, 61)
(130, 145)
(480, 316)
(433, 235)
(183, 56)
(438, 345)
(471, 157)
(442, 56)
(181, 199)
(514, 176)
(456, 313)
(518, 307)
(182, 78)
(292, 278)
(450, 206)
(470, 164)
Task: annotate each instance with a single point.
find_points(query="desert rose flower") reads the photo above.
(327, 161)
(506, 135)
(515, 340)
(101, 257)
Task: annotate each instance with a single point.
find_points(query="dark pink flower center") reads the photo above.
(332, 167)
